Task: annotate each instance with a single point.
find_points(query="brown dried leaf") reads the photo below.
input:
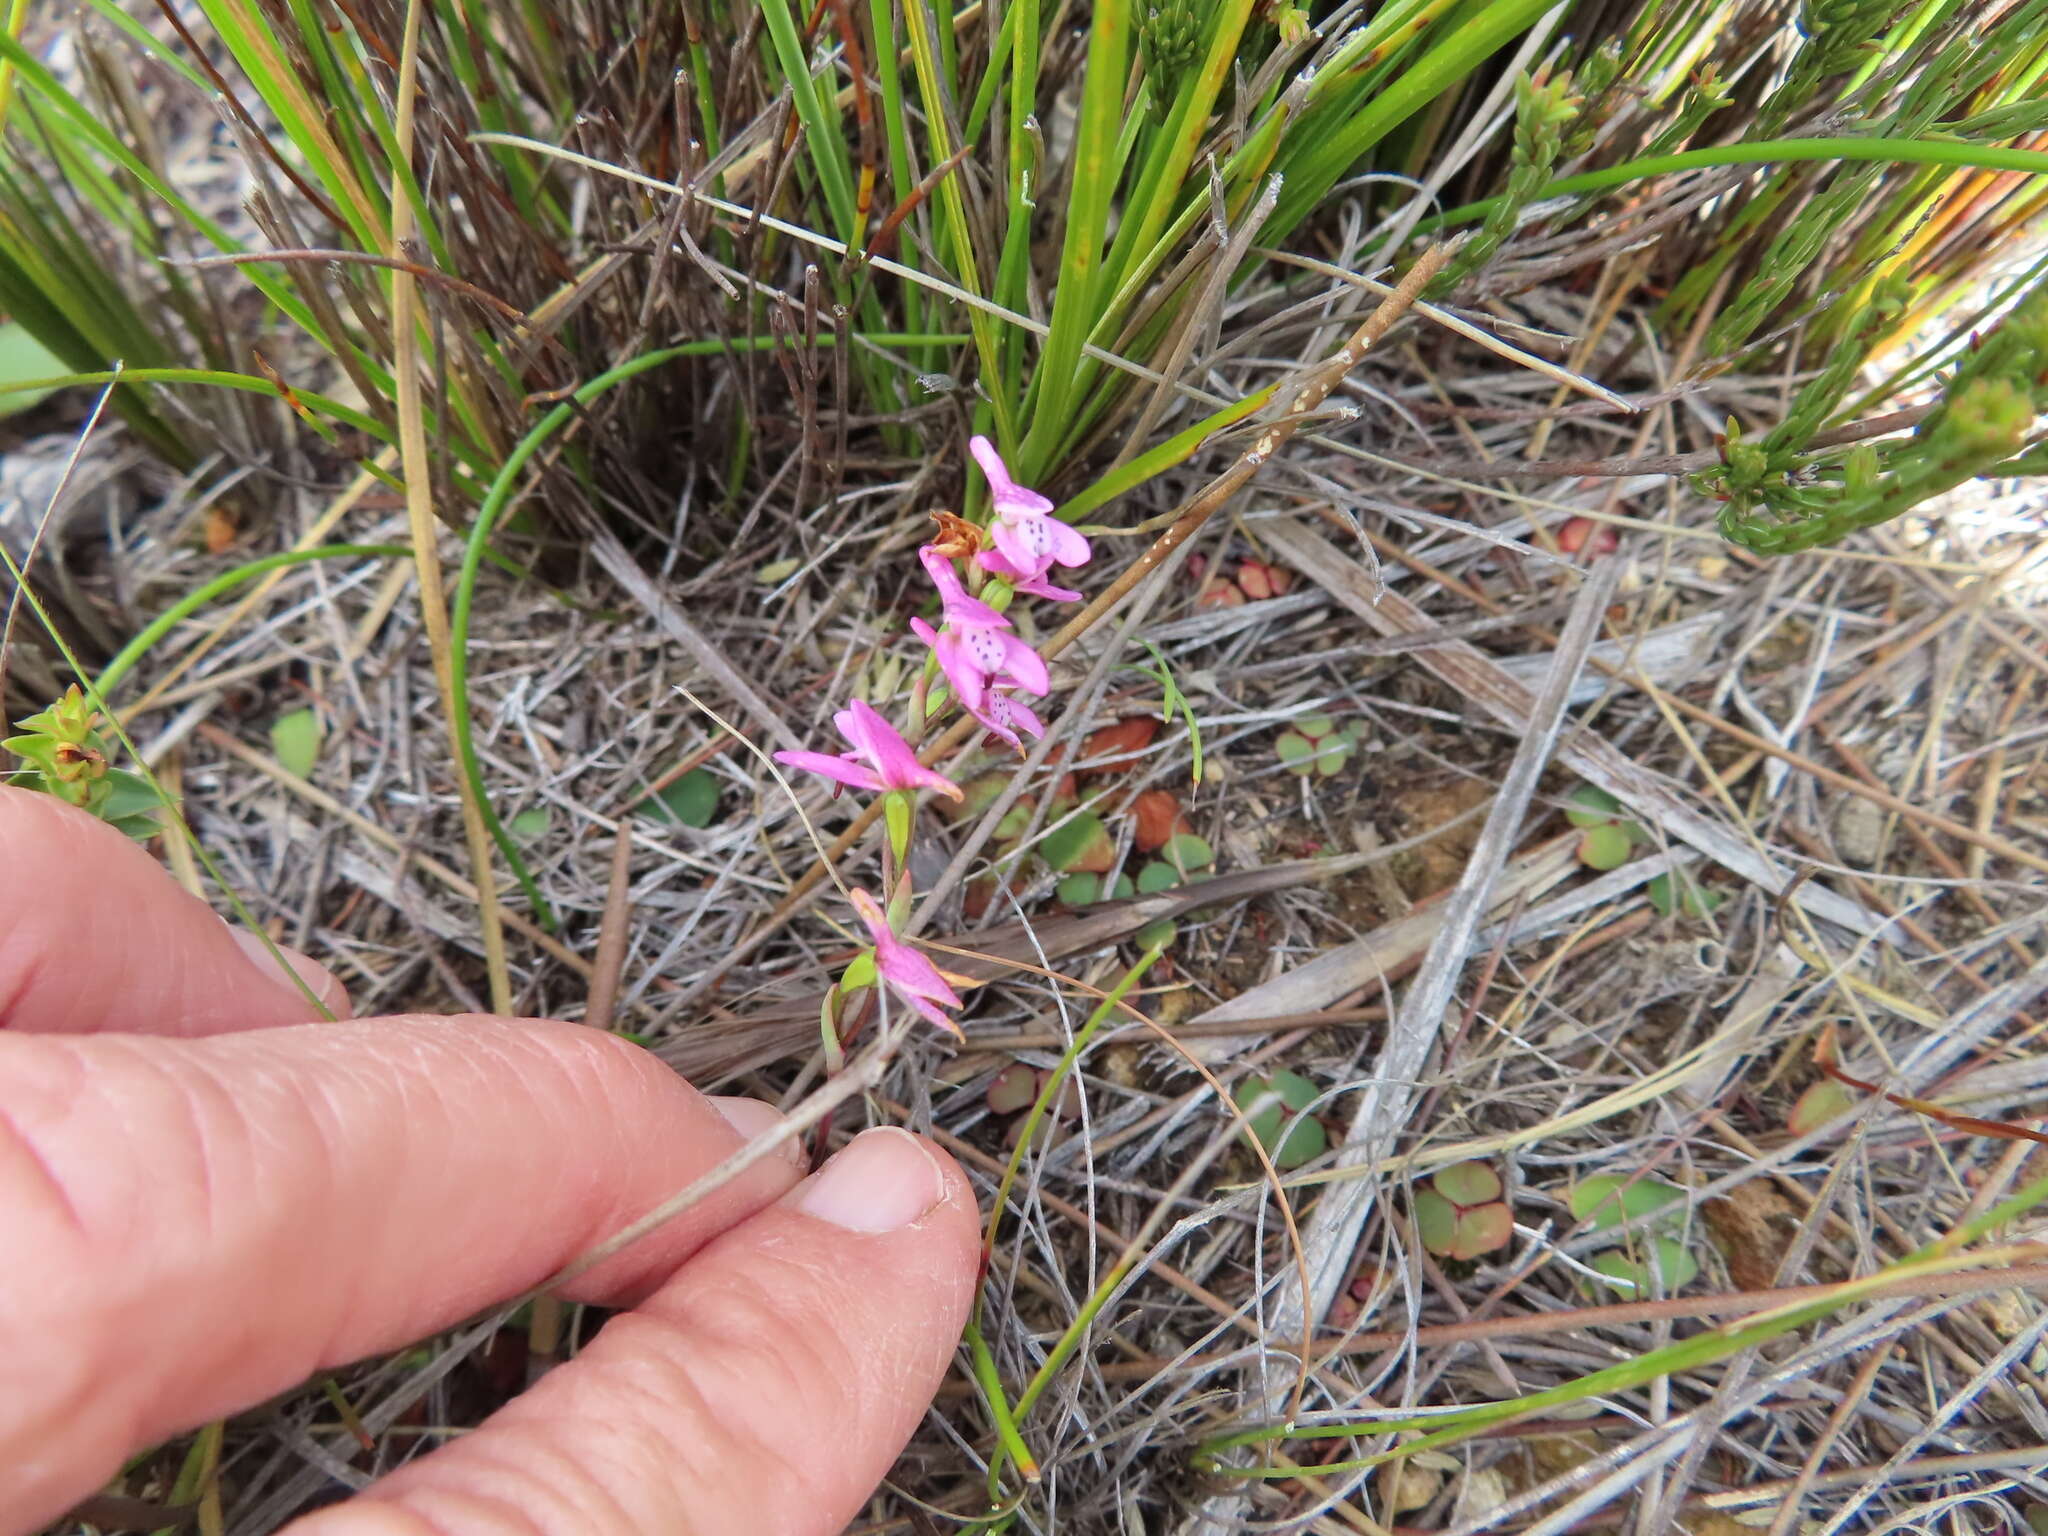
(1158, 816)
(1115, 748)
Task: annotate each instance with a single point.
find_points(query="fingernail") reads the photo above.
(751, 1118)
(879, 1181)
(286, 974)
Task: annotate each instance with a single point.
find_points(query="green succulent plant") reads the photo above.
(1648, 1261)
(1460, 1212)
(1273, 1107)
(1317, 745)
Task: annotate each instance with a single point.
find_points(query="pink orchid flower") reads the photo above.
(977, 647)
(1029, 541)
(992, 561)
(909, 975)
(1006, 717)
(880, 760)
(979, 690)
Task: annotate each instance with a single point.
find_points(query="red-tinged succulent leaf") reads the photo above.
(1012, 1089)
(1482, 1229)
(1220, 592)
(1080, 843)
(1577, 533)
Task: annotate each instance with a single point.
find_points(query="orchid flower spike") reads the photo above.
(880, 760)
(908, 974)
(1028, 539)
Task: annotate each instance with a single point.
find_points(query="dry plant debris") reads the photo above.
(1835, 761)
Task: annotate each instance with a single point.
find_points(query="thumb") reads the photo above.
(766, 1388)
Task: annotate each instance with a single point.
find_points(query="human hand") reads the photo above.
(205, 1200)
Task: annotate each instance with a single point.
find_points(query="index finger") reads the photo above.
(94, 935)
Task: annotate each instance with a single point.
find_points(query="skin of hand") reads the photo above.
(205, 1199)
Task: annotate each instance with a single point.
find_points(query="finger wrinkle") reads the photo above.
(21, 1148)
(667, 1376)
(23, 958)
(370, 1514)
(614, 1418)
(539, 1489)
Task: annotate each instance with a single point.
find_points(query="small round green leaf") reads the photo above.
(1589, 805)
(1261, 1107)
(1187, 852)
(689, 802)
(1306, 1140)
(1291, 1139)
(1157, 935)
(295, 741)
(1296, 1091)
(1436, 1222)
(1670, 1263)
(1671, 893)
(1609, 1199)
(1156, 877)
(1077, 890)
(1605, 846)
(529, 823)
(1467, 1183)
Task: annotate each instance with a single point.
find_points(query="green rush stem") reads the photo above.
(224, 583)
(990, 1380)
(1071, 1339)
(1771, 151)
(248, 383)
